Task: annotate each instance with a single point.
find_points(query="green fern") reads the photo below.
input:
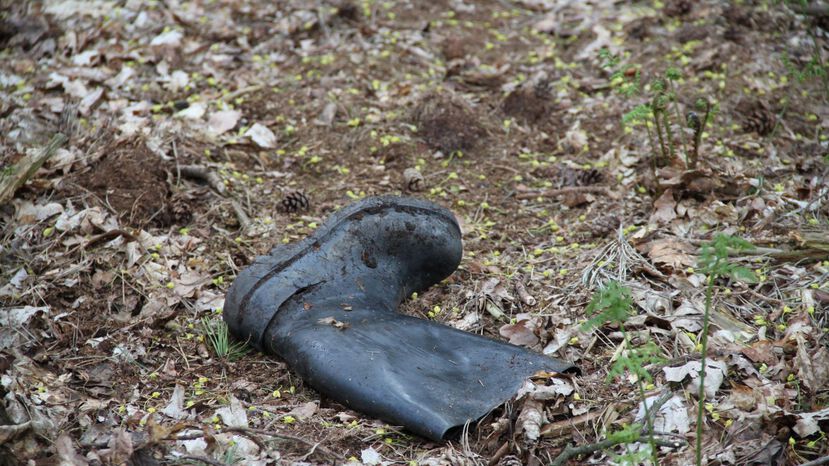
(614, 304)
(714, 263)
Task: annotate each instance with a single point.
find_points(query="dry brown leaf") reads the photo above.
(66, 452)
(334, 323)
(530, 420)
(664, 208)
(812, 366)
(304, 411)
(523, 331)
(223, 121)
(672, 253)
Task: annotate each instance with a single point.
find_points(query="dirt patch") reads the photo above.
(448, 124)
(529, 104)
(131, 181)
(457, 47)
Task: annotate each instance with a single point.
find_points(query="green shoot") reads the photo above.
(714, 263)
(661, 112)
(216, 332)
(627, 436)
(613, 303)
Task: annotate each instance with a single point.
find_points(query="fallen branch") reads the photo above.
(523, 294)
(808, 245)
(566, 426)
(203, 459)
(817, 462)
(213, 180)
(246, 431)
(240, 92)
(571, 451)
(812, 10)
(563, 191)
(20, 172)
(200, 172)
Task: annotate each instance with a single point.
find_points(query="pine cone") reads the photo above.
(737, 15)
(757, 117)
(295, 201)
(605, 226)
(678, 8)
(453, 48)
(579, 177)
(588, 177)
(510, 460)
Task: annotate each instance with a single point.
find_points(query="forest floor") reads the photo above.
(560, 133)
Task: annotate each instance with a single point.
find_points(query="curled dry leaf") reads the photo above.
(305, 410)
(67, 455)
(672, 416)
(334, 323)
(530, 420)
(233, 415)
(670, 252)
(13, 320)
(370, 456)
(807, 424)
(413, 180)
(714, 374)
(262, 136)
(664, 208)
(175, 408)
(223, 121)
(523, 331)
(193, 112)
(556, 387)
(812, 366)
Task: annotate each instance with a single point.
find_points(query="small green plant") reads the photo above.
(813, 69)
(714, 263)
(614, 304)
(216, 332)
(660, 113)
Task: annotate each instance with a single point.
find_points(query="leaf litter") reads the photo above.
(115, 250)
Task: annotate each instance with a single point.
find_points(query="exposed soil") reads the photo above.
(448, 124)
(131, 181)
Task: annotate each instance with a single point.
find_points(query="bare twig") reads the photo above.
(315, 445)
(817, 462)
(240, 92)
(203, 173)
(523, 295)
(565, 427)
(571, 451)
(243, 218)
(562, 191)
(202, 459)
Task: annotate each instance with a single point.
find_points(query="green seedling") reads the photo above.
(660, 113)
(216, 332)
(614, 304)
(714, 263)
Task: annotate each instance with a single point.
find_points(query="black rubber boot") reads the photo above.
(328, 306)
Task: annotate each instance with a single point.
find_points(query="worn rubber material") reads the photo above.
(327, 305)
